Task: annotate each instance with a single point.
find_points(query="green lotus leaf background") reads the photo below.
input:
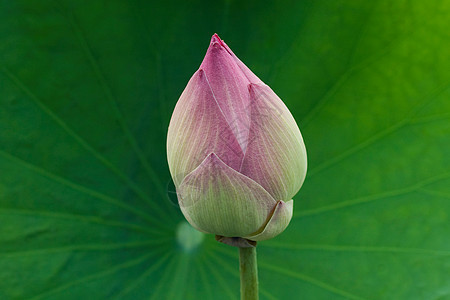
(87, 207)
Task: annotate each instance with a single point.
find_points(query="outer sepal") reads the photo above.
(215, 198)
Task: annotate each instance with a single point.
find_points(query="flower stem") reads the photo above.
(249, 273)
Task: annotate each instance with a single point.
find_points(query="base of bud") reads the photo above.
(236, 241)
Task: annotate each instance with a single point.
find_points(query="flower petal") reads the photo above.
(280, 219)
(229, 86)
(216, 199)
(276, 154)
(247, 72)
(197, 128)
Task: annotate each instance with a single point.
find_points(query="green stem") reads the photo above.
(248, 268)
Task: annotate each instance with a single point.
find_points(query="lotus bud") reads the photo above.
(235, 153)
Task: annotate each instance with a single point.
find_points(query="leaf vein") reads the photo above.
(376, 137)
(128, 264)
(82, 248)
(74, 135)
(114, 105)
(370, 198)
(79, 188)
(311, 280)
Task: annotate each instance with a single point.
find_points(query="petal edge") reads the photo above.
(197, 128)
(280, 219)
(276, 154)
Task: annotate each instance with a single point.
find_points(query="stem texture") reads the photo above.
(248, 268)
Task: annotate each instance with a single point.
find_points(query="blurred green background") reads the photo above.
(86, 93)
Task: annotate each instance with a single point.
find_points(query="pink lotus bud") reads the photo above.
(235, 152)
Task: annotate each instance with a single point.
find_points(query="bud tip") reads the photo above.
(216, 39)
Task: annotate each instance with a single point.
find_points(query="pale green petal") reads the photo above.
(277, 223)
(216, 199)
